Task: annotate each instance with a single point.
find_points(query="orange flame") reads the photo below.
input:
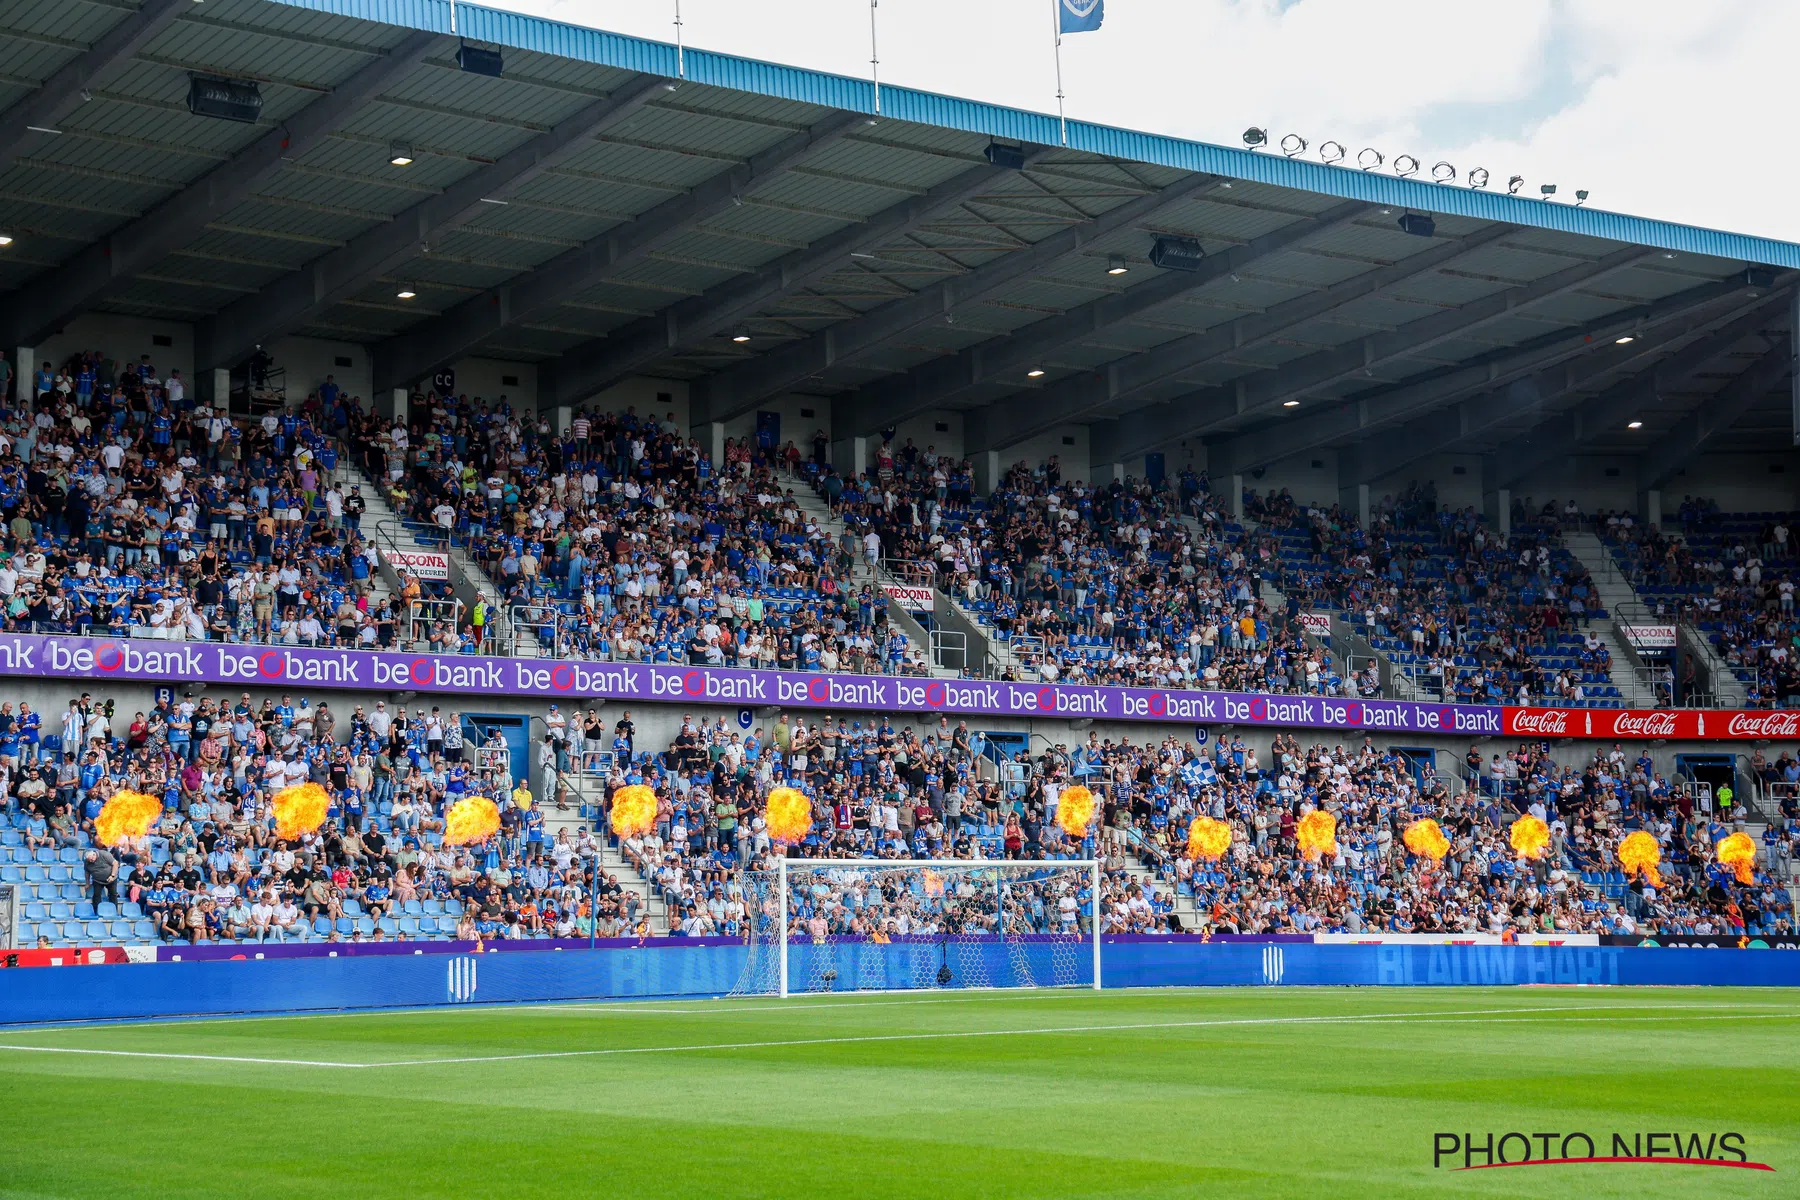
(1530, 837)
(300, 809)
(128, 815)
(1425, 839)
(1639, 854)
(1208, 838)
(1739, 853)
(1317, 834)
(471, 819)
(1075, 810)
(634, 810)
(789, 815)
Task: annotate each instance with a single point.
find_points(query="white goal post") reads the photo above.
(839, 925)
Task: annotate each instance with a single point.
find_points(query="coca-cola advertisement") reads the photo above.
(1653, 724)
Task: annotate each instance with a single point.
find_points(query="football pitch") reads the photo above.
(1251, 1092)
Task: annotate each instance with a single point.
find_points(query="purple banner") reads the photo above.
(98, 660)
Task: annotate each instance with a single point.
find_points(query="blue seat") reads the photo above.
(122, 930)
(352, 909)
(35, 911)
(412, 908)
(144, 931)
(107, 910)
(61, 910)
(346, 926)
(97, 931)
(365, 926)
(322, 926)
(433, 906)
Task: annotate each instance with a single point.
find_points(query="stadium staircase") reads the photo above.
(588, 791)
(384, 526)
(816, 508)
(1620, 599)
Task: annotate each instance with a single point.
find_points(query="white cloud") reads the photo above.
(1659, 108)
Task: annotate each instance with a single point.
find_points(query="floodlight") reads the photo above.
(1581, 195)
(1417, 224)
(1332, 152)
(1176, 253)
(406, 292)
(1115, 264)
(1635, 425)
(1293, 144)
(1478, 178)
(400, 154)
(1406, 166)
(1255, 138)
(1514, 184)
(1368, 158)
(1547, 190)
(1443, 172)
(741, 334)
(1035, 373)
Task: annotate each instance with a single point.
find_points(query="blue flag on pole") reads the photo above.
(1080, 16)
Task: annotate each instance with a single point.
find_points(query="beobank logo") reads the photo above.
(1652, 724)
(1764, 725)
(1541, 720)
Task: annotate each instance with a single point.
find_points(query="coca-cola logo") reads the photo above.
(1655, 724)
(1541, 720)
(1764, 725)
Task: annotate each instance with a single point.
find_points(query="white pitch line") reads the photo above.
(271, 1062)
(941, 1035)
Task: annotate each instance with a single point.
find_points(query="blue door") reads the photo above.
(514, 728)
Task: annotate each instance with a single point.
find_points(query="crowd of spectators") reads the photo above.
(1469, 614)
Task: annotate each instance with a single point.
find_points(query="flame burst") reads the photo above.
(633, 810)
(1425, 839)
(1075, 810)
(1739, 853)
(471, 819)
(789, 815)
(1208, 838)
(1639, 853)
(300, 809)
(128, 815)
(1530, 837)
(1317, 834)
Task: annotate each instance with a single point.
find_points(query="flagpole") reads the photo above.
(1056, 30)
(680, 54)
(874, 56)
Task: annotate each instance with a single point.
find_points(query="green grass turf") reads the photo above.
(1263, 1092)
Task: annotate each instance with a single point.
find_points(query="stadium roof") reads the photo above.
(606, 209)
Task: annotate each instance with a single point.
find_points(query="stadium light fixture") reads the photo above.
(5, 239)
(1256, 138)
(1010, 158)
(1290, 404)
(1624, 340)
(1443, 172)
(1406, 166)
(1635, 425)
(1478, 178)
(1514, 184)
(400, 154)
(1581, 195)
(1546, 190)
(406, 292)
(1332, 151)
(1293, 144)
(477, 60)
(1115, 264)
(741, 334)
(1035, 373)
(1368, 158)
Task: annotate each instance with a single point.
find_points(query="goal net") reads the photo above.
(846, 925)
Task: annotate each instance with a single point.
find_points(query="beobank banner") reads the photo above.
(1683, 724)
(100, 661)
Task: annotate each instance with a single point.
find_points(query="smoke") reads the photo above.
(126, 817)
(1530, 837)
(300, 809)
(1075, 810)
(471, 819)
(633, 810)
(1639, 854)
(1739, 853)
(1207, 838)
(1425, 839)
(1318, 834)
(788, 814)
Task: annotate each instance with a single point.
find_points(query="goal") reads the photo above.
(847, 925)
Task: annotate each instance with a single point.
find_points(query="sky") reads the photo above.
(1657, 108)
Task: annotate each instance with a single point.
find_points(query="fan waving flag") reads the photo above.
(1080, 16)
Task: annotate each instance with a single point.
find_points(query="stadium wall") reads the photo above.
(676, 969)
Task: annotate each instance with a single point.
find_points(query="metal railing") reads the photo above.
(543, 623)
(422, 614)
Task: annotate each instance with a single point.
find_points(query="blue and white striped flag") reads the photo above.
(1080, 16)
